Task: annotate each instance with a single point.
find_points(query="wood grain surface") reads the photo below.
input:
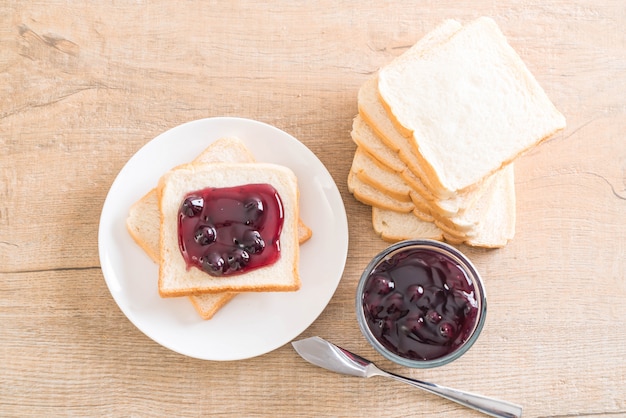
(83, 85)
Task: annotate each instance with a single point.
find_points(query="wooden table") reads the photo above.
(85, 85)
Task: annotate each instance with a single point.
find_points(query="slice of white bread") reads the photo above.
(371, 196)
(208, 304)
(374, 173)
(366, 139)
(394, 226)
(469, 107)
(175, 279)
(377, 185)
(143, 222)
(493, 216)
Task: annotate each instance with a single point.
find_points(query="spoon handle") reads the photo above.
(489, 406)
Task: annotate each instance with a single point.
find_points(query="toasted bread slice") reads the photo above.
(176, 279)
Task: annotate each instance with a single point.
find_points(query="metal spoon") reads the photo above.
(321, 353)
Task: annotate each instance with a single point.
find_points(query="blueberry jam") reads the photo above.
(420, 304)
(231, 230)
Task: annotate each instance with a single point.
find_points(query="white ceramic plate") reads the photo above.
(252, 323)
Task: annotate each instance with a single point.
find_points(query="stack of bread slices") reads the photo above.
(152, 223)
(437, 132)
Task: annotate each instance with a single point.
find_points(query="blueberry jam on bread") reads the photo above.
(232, 230)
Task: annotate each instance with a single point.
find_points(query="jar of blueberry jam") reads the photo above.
(421, 303)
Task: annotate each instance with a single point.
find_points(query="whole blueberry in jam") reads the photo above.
(227, 231)
(419, 303)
